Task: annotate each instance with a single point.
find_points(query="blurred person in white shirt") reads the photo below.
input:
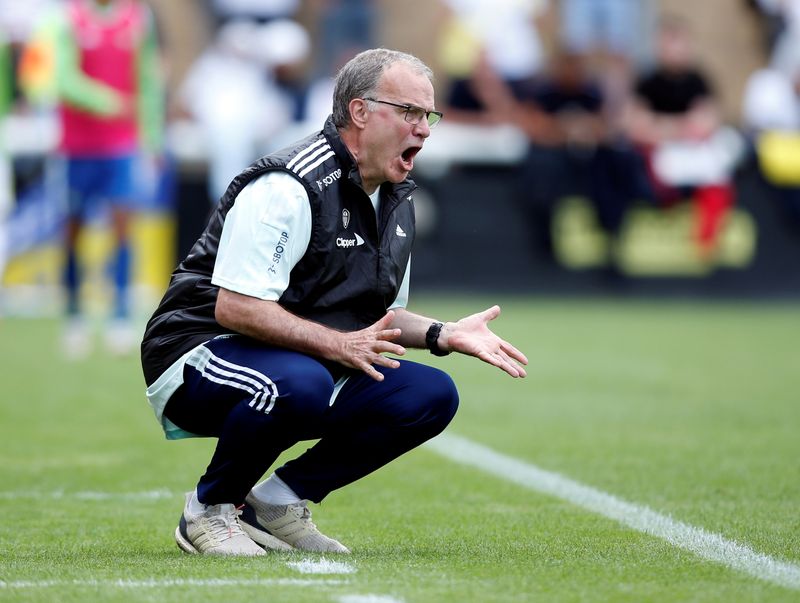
(232, 93)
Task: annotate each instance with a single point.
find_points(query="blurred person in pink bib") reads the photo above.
(105, 83)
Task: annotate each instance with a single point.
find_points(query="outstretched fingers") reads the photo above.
(512, 365)
(513, 352)
(384, 338)
(497, 359)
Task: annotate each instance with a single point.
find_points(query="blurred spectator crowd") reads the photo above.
(610, 97)
(621, 110)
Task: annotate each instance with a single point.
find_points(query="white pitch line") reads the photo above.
(321, 566)
(158, 583)
(638, 517)
(368, 599)
(89, 495)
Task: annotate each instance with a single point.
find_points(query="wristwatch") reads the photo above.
(432, 339)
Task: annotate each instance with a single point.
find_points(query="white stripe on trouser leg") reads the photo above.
(240, 377)
(264, 398)
(234, 376)
(269, 391)
(210, 377)
(241, 368)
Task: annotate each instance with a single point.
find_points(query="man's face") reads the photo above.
(674, 49)
(390, 143)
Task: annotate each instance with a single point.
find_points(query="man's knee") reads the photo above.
(443, 395)
(430, 402)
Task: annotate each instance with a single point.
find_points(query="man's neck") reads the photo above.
(351, 142)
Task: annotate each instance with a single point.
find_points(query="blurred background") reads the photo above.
(595, 147)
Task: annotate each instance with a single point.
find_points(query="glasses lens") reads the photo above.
(414, 115)
(434, 118)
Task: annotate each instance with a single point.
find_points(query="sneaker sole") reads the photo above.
(264, 539)
(184, 544)
(187, 547)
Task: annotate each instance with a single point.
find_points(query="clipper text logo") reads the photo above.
(347, 242)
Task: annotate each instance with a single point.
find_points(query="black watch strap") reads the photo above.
(432, 339)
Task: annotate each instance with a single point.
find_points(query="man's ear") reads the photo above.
(358, 112)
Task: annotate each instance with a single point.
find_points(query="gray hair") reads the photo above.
(360, 76)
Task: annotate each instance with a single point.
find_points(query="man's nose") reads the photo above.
(421, 128)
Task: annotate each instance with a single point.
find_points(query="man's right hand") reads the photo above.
(365, 348)
(269, 322)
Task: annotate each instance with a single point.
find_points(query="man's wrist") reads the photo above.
(432, 340)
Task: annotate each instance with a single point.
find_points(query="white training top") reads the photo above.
(265, 234)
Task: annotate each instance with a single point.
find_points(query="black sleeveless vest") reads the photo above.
(350, 274)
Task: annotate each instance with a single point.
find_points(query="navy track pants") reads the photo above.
(259, 400)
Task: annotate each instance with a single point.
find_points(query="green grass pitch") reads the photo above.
(690, 409)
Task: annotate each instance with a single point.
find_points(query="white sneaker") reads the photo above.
(216, 531)
(76, 339)
(289, 523)
(121, 338)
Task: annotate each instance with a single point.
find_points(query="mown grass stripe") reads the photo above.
(707, 545)
(170, 582)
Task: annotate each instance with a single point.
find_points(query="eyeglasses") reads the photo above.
(412, 113)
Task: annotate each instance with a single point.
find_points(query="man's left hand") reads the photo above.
(471, 335)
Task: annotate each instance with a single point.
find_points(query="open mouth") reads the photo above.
(408, 156)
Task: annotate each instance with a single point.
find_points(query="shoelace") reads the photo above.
(304, 515)
(225, 526)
